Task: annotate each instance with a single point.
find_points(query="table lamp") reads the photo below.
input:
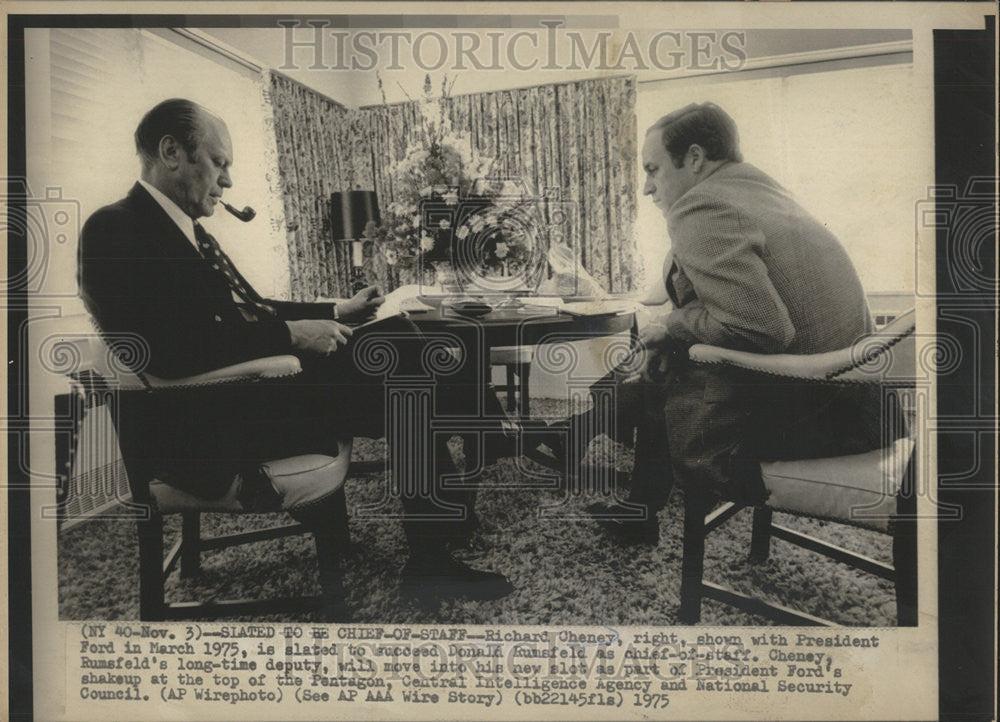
(350, 212)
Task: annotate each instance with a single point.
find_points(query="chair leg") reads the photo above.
(331, 576)
(524, 395)
(760, 540)
(341, 524)
(693, 559)
(191, 544)
(328, 523)
(151, 592)
(511, 388)
(904, 549)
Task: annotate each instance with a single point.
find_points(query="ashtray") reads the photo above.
(473, 309)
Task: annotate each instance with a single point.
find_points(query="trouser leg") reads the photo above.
(630, 404)
(706, 425)
(652, 473)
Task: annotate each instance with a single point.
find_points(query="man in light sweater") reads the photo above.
(748, 269)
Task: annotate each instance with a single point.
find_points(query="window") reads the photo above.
(90, 96)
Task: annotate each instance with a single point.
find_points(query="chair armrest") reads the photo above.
(819, 366)
(271, 367)
(885, 356)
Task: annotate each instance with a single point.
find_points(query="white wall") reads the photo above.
(852, 145)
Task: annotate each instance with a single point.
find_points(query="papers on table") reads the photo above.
(598, 307)
(399, 302)
(579, 307)
(403, 300)
(410, 299)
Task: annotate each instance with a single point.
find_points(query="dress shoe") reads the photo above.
(624, 530)
(546, 442)
(443, 576)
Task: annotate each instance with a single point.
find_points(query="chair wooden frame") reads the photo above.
(700, 520)
(861, 363)
(155, 569)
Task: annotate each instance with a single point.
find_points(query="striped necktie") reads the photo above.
(213, 253)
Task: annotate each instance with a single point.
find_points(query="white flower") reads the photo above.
(391, 256)
(426, 243)
(431, 111)
(450, 198)
(416, 220)
(444, 223)
(462, 233)
(425, 192)
(502, 250)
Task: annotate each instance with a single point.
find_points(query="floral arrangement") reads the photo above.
(449, 208)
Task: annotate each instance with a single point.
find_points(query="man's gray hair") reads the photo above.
(182, 119)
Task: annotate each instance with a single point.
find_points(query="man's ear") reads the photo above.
(696, 156)
(170, 151)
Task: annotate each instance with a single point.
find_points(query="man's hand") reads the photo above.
(654, 335)
(659, 347)
(319, 336)
(362, 305)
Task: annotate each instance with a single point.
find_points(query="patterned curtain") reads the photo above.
(315, 139)
(579, 138)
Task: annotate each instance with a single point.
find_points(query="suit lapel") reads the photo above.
(679, 288)
(671, 290)
(170, 239)
(173, 245)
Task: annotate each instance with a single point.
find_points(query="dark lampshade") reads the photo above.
(350, 213)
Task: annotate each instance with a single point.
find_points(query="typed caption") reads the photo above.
(306, 665)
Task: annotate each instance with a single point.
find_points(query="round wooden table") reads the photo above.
(412, 421)
(518, 327)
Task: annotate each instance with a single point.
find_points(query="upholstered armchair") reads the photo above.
(309, 487)
(872, 490)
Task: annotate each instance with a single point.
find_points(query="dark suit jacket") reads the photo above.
(753, 270)
(139, 273)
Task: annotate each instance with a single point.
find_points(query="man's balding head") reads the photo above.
(182, 119)
(186, 153)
